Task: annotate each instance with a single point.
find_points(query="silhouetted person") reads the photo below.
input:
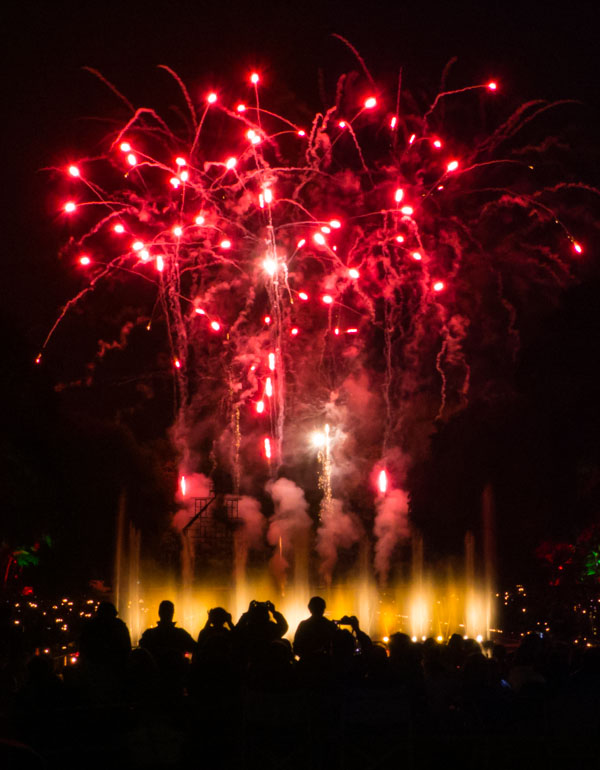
(168, 646)
(104, 645)
(213, 669)
(257, 627)
(314, 636)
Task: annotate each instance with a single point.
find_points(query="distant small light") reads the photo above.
(184, 176)
(241, 108)
(400, 238)
(70, 207)
(260, 407)
(393, 122)
(437, 143)
(327, 299)
(230, 163)
(342, 124)
(253, 136)
(199, 311)
(199, 219)
(303, 295)
(215, 326)
(160, 264)
(412, 138)
(351, 331)
(452, 166)
(318, 238)
(73, 170)
(326, 229)
(119, 229)
(38, 358)
(294, 331)
(385, 639)
(181, 161)
(211, 98)
(269, 387)
(254, 78)
(84, 261)
(492, 86)
(144, 255)
(178, 231)
(370, 103)
(398, 195)
(225, 244)
(137, 245)
(479, 638)
(270, 266)
(131, 159)
(125, 147)
(267, 320)
(268, 195)
(335, 224)
(336, 331)
(301, 132)
(417, 256)
(175, 181)
(177, 363)
(440, 187)
(439, 638)
(439, 286)
(272, 361)
(577, 247)
(353, 273)
(407, 210)
(301, 243)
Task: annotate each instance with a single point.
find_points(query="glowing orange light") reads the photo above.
(181, 161)
(178, 231)
(230, 163)
(241, 108)
(492, 86)
(398, 195)
(269, 388)
(160, 264)
(211, 98)
(439, 286)
(370, 103)
(417, 255)
(119, 229)
(327, 299)
(199, 219)
(137, 245)
(272, 361)
(353, 273)
(407, 210)
(303, 295)
(268, 448)
(400, 238)
(260, 407)
(73, 170)
(182, 485)
(294, 331)
(393, 122)
(318, 238)
(70, 207)
(577, 247)
(38, 358)
(215, 326)
(225, 244)
(131, 159)
(382, 481)
(452, 166)
(267, 319)
(84, 261)
(125, 147)
(254, 78)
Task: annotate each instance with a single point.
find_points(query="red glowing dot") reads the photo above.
(230, 163)
(260, 407)
(119, 229)
(177, 363)
(267, 319)
(452, 166)
(294, 331)
(184, 176)
(272, 361)
(241, 108)
(268, 449)
(327, 299)
(38, 359)
(178, 231)
(412, 138)
(353, 273)
(437, 143)
(342, 124)
(370, 103)
(393, 122)
(211, 98)
(398, 195)
(125, 147)
(492, 86)
(417, 255)
(318, 238)
(351, 331)
(577, 247)
(180, 161)
(301, 132)
(382, 481)
(215, 325)
(145, 255)
(253, 136)
(70, 207)
(407, 210)
(303, 295)
(225, 244)
(400, 238)
(199, 219)
(84, 261)
(335, 223)
(326, 229)
(137, 245)
(254, 78)
(73, 170)
(160, 264)
(182, 485)
(439, 286)
(199, 311)
(268, 195)
(269, 387)
(131, 159)
(301, 243)
(336, 330)
(175, 181)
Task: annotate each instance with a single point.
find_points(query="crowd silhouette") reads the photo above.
(243, 695)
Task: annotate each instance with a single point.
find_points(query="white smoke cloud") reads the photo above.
(289, 525)
(254, 523)
(391, 526)
(337, 530)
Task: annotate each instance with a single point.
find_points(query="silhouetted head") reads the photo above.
(166, 610)
(218, 616)
(106, 610)
(316, 606)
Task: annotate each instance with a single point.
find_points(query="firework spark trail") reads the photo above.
(289, 261)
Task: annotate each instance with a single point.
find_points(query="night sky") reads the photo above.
(65, 457)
